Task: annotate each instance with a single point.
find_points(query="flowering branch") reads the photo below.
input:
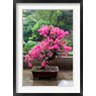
(50, 47)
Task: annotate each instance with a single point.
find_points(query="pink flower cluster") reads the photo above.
(46, 48)
(43, 30)
(54, 32)
(58, 33)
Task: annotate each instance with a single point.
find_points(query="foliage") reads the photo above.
(27, 27)
(47, 15)
(35, 35)
(67, 18)
(69, 41)
(29, 45)
(70, 53)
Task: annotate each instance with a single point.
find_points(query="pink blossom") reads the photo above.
(66, 33)
(42, 56)
(29, 65)
(56, 47)
(65, 54)
(67, 48)
(49, 54)
(27, 58)
(43, 30)
(58, 33)
(43, 64)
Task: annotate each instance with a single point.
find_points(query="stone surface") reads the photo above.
(64, 78)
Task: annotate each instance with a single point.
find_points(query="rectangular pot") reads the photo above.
(47, 73)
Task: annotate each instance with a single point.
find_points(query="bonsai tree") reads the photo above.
(50, 47)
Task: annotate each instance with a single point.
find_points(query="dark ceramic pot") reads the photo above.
(50, 72)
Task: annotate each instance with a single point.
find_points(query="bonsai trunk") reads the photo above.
(49, 59)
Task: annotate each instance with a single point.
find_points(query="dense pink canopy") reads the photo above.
(51, 44)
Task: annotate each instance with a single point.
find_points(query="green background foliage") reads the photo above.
(34, 19)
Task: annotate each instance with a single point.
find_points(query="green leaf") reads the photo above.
(29, 45)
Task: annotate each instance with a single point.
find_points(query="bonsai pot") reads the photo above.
(50, 72)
